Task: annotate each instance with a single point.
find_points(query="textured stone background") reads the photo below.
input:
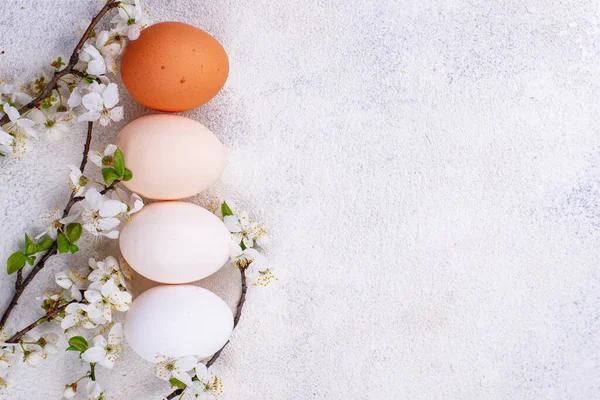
(428, 171)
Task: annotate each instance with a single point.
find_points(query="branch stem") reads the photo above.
(70, 67)
(49, 315)
(21, 283)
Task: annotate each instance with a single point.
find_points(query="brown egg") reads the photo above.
(174, 67)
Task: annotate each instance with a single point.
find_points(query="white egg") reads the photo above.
(177, 321)
(175, 242)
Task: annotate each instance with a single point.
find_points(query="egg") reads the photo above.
(177, 321)
(175, 242)
(174, 67)
(170, 156)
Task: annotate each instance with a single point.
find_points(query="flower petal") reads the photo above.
(112, 208)
(116, 114)
(115, 336)
(108, 224)
(94, 354)
(183, 377)
(75, 98)
(96, 67)
(232, 223)
(111, 95)
(93, 101)
(12, 112)
(94, 199)
(68, 321)
(186, 363)
(93, 296)
(93, 389)
(110, 150)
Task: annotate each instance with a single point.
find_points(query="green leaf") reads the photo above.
(176, 383)
(73, 249)
(78, 343)
(30, 247)
(15, 262)
(74, 232)
(225, 210)
(30, 260)
(127, 175)
(63, 243)
(110, 175)
(119, 162)
(45, 245)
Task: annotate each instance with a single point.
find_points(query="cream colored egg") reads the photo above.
(175, 242)
(170, 156)
(177, 321)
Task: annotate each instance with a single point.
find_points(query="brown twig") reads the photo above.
(236, 320)
(70, 67)
(49, 316)
(21, 283)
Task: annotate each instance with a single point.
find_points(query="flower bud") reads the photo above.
(70, 391)
(50, 349)
(33, 359)
(51, 338)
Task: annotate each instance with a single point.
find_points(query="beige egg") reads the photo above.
(171, 157)
(175, 242)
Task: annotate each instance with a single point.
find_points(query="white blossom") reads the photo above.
(85, 315)
(48, 343)
(108, 297)
(55, 127)
(12, 92)
(19, 124)
(106, 352)
(70, 391)
(168, 367)
(72, 280)
(93, 390)
(205, 386)
(134, 205)
(100, 103)
(99, 214)
(95, 61)
(248, 259)
(103, 271)
(77, 181)
(97, 157)
(242, 229)
(129, 20)
(7, 141)
(110, 45)
(7, 359)
(33, 358)
(52, 229)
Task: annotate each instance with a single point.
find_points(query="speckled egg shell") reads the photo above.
(174, 67)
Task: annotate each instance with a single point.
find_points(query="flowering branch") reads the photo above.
(70, 67)
(48, 317)
(22, 284)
